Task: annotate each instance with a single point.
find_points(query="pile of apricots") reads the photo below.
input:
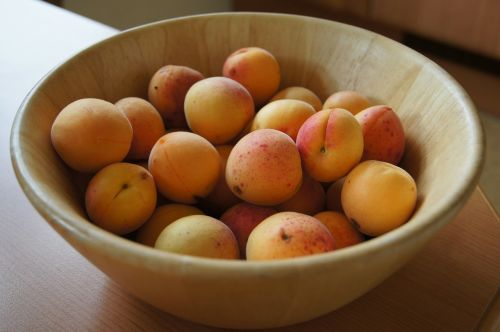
(230, 167)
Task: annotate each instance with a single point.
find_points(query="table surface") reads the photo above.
(45, 285)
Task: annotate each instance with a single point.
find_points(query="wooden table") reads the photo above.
(45, 285)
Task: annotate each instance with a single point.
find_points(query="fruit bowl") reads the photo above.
(444, 154)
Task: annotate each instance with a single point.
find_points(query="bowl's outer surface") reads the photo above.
(444, 154)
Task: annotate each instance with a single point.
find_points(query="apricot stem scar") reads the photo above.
(284, 235)
(238, 190)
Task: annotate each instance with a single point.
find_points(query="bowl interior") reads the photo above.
(444, 139)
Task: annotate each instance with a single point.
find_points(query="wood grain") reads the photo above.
(480, 85)
(47, 286)
(257, 294)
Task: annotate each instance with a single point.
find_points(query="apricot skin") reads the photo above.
(221, 197)
(378, 197)
(300, 93)
(199, 235)
(185, 166)
(383, 134)
(167, 91)
(333, 200)
(330, 143)
(352, 101)
(218, 109)
(243, 218)
(147, 126)
(286, 115)
(162, 217)
(344, 233)
(264, 168)
(121, 197)
(257, 70)
(90, 133)
(310, 198)
(287, 235)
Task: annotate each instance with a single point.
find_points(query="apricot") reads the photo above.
(167, 91)
(378, 197)
(218, 109)
(300, 93)
(330, 143)
(333, 200)
(199, 235)
(257, 69)
(160, 199)
(121, 197)
(383, 134)
(344, 233)
(185, 166)
(352, 101)
(221, 197)
(243, 218)
(310, 198)
(286, 235)
(286, 115)
(264, 168)
(162, 217)
(147, 125)
(90, 133)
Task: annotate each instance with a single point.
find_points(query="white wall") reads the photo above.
(124, 14)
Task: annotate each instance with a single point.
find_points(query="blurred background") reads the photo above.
(460, 35)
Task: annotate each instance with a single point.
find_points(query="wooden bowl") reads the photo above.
(444, 154)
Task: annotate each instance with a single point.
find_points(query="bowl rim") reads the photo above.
(156, 259)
